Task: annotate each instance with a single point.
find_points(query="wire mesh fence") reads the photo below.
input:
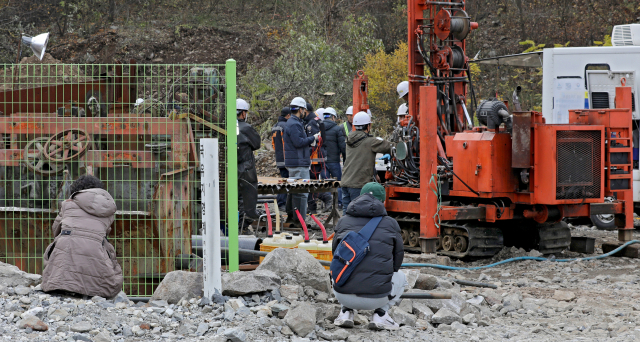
(136, 127)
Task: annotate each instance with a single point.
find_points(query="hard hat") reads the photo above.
(349, 110)
(139, 102)
(297, 103)
(369, 112)
(320, 112)
(330, 111)
(403, 109)
(361, 119)
(403, 89)
(242, 104)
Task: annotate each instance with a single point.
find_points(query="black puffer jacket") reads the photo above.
(248, 141)
(278, 132)
(372, 277)
(312, 126)
(335, 142)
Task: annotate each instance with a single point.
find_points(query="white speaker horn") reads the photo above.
(38, 44)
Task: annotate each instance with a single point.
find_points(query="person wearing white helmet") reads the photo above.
(248, 141)
(313, 125)
(359, 168)
(403, 111)
(297, 155)
(403, 90)
(335, 146)
(348, 126)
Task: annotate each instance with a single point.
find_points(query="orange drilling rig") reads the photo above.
(468, 190)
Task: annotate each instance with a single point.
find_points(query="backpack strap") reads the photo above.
(346, 128)
(370, 227)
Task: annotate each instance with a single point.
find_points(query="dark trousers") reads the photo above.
(335, 171)
(348, 195)
(282, 198)
(317, 171)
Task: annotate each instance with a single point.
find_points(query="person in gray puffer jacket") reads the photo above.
(80, 259)
(377, 282)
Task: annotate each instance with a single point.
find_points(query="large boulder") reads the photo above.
(11, 276)
(243, 283)
(179, 284)
(300, 265)
(301, 318)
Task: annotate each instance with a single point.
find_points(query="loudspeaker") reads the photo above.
(38, 43)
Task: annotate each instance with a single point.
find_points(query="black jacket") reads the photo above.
(372, 277)
(335, 142)
(312, 126)
(248, 141)
(296, 144)
(278, 132)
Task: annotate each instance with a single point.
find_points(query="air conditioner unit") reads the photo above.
(626, 35)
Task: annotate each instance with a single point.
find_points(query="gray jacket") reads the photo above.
(361, 158)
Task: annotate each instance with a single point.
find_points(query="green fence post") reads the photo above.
(232, 165)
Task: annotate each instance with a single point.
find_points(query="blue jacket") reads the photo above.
(296, 144)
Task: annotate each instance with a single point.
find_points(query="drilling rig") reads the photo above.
(467, 190)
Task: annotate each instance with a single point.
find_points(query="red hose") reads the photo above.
(270, 233)
(324, 232)
(304, 226)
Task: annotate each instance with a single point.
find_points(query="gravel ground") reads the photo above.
(534, 301)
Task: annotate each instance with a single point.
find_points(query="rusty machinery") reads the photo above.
(147, 160)
(468, 191)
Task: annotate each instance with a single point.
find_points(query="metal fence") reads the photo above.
(134, 126)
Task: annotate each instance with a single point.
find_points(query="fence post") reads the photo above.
(210, 189)
(232, 165)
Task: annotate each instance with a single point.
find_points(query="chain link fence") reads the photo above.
(136, 127)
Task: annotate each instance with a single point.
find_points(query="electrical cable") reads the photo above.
(453, 268)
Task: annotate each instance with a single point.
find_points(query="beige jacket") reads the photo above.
(80, 259)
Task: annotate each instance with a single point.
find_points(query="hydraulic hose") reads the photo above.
(453, 268)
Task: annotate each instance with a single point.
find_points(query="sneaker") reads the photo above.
(384, 322)
(344, 319)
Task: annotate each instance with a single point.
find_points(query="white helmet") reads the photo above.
(403, 89)
(241, 105)
(369, 112)
(320, 113)
(403, 109)
(361, 119)
(330, 111)
(298, 102)
(349, 111)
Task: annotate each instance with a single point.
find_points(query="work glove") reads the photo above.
(386, 157)
(317, 136)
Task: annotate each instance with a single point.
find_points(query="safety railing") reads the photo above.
(137, 128)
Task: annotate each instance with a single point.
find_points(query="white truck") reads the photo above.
(586, 77)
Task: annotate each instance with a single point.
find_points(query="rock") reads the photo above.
(286, 331)
(204, 302)
(37, 311)
(235, 335)
(301, 318)
(458, 327)
(477, 300)
(25, 300)
(22, 290)
(12, 276)
(235, 304)
(98, 299)
(137, 330)
(359, 319)
(186, 329)
(566, 296)
(406, 305)
(88, 58)
(120, 298)
(426, 282)
(469, 318)
(513, 300)
(81, 327)
(179, 284)
(422, 311)
(412, 278)
(456, 304)
(202, 329)
(276, 309)
(300, 264)
(243, 283)
(32, 322)
(445, 316)
(126, 331)
(291, 292)
(534, 253)
(102, 337)
(339, 334)
(159, 303)
(82, 338)
(402, 317)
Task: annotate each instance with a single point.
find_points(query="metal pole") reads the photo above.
(232, 165)
(210, 187)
